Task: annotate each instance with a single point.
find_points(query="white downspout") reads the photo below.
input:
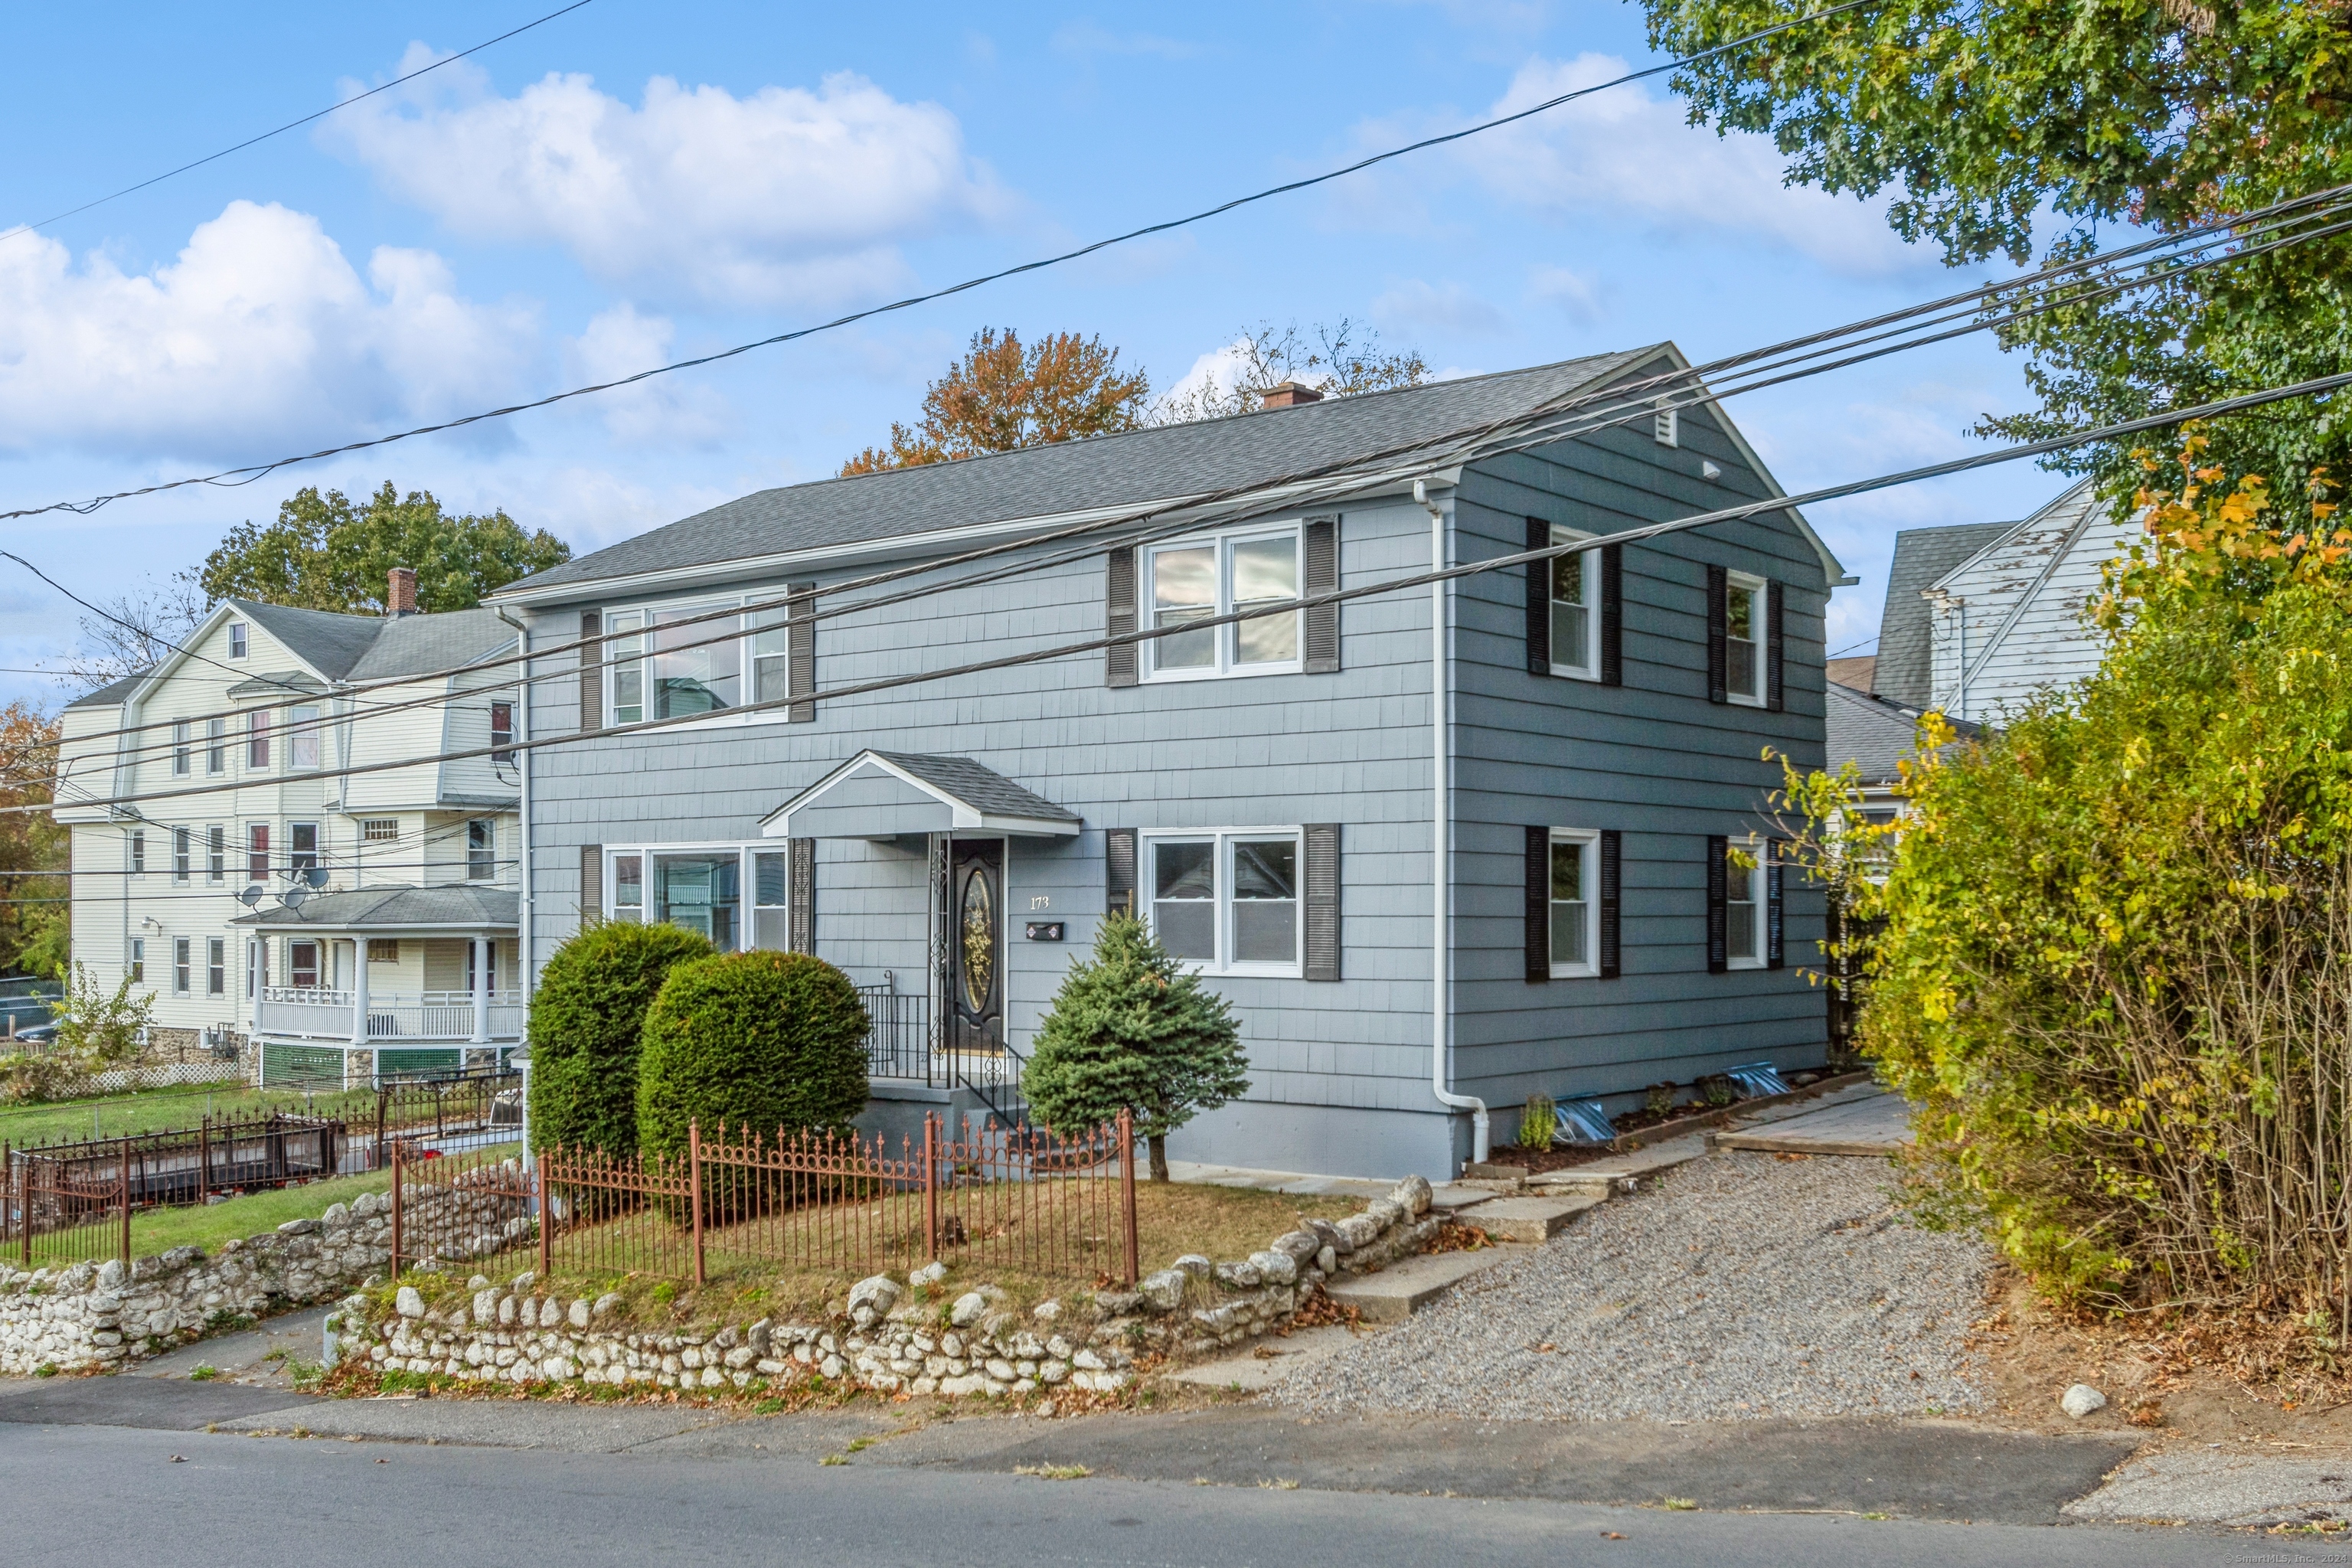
(522, 761)
(1441, 851)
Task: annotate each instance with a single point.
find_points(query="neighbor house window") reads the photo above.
(137, 852)
(481, 850)
(302, 851)
(216, 745)
(1228, 900)
(1204, 578)
(139, 960)
(302, 738)
(216, 854)
(701, 892)
(770, 899)
(1743, 623)
(182, 841)
(628, 887)
(257, 852)
(384, 950)
(1575, 880)
(236, 639)
(501, 731)
(180, 965)
(180, 750)
(256, 739)
(1575, 609)
(302, 965)
(1743, 902)
(215, 966)
(379, 829)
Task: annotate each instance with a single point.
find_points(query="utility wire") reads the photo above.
(230, 477)
(290, 125)
(2314, 387)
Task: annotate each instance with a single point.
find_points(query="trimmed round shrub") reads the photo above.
(587, 1016)
(765, 1042)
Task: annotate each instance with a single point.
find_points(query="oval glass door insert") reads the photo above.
(979, 943)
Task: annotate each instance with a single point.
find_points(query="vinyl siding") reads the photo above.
(2022, 599)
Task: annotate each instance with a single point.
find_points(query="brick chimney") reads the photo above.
(1289, 395)
(399, 597)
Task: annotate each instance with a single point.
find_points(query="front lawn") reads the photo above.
(208, 1225)
(161, 1109)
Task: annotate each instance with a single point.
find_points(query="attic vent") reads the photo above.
(1665, 425)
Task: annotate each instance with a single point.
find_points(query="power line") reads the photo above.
(290, 125)
(2217, 408)
(227, 478)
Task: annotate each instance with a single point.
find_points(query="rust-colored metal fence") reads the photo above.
(190, 1164)
(64, 1212)
(1025, 1200)
(457, 1208)
(473, 1105)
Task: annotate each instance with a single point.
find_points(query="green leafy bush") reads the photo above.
(1132, 1029)
(772, 1043)
(587, 1017)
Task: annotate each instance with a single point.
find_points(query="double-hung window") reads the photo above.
(1201, 579)
(181, 966)
(302, 738)
(772, 897)
(628, 887)
(481, 849)
(215, 966)
(216, 854)
(302, 965)
(216, 746)
(1228, 900)
(1575, 609)
(1744, 903)
(257, 852)
(138, 961)
(183, 852)
(302, 853)
(256, 740)
(501, 732)
(236, 639)
(1743, 638)
(180, 750)
(1575, 903)
(138, 851)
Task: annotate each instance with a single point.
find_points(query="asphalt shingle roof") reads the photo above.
(417, 645)
(1906, 668)
(1126, 470)
(110, 695)
(327, 642)
(983, 789)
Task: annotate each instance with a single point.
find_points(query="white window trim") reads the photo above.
(1223, 540)
(746, 674)
(240, 639)
(1146, 848)
(1591, 668)
(1589, 838)
(182, 966)
(491, 823)
(1758, 587)
(1759, 891)
(312, 730)
(747, 891)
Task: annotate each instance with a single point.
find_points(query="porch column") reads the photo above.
(359, 991)
(482, 991)
(253, 987)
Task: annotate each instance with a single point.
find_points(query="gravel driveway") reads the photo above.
(1741, 1286)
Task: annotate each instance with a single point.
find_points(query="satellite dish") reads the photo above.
(251, 896)
(293, 896)
(316, 875)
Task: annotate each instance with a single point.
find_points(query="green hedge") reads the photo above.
(587, 1016)
(769, 1041)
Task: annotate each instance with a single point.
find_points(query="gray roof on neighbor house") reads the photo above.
(983, 789)
(110, 695)
(418, 645)
(383, 908)
(1139, 466)
(1874, 733)
(327, 642)
(277, 683)
(1906, 667)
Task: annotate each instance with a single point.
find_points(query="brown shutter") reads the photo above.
(1773, 646)
(1772, 950)
(1538, 911)
(1118, 871)
(592, 671)
(1322, 900)
(1611, 879)
(1718, 918)
(803, 894)
(592, 884)
(1320, 644)
(1613, 615)
(801, 644)
(1718, 636)
(1119, 661)
(1539, 607)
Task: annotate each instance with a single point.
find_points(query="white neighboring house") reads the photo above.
(242, 890)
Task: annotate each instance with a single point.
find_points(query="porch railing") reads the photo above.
(899, 1044)
(309, 1013)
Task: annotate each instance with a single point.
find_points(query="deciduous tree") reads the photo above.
(327, 551)
(1003, 396)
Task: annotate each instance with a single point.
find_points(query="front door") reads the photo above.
(976, 944)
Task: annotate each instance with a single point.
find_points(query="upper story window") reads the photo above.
(236, 641)
(1743, 905)
(481, 849)
(1575, 882)
(1575, 609)
(501, 731)
(181, 751)
(257, 852)
(180, 977)
(138, 961)
(1227, 902)
(302, 852)
(182, 840)
(256, 740)
(1200, 579)
(302, 738)
(1743, 638)
(216, 745)
(670, 663)
(138, 851)
(379, 830)
(216, 854)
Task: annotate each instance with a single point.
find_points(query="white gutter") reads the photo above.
(1441, 1020)
(526, 925)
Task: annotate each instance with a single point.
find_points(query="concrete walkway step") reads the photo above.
(1268, 1362)
(1868, 1124)
(1408, 1285)
(1616, 1173)
(1531, 1220)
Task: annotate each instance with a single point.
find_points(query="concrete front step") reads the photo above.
(1619, 1172)
(1408, 1285)
(1530, 1220)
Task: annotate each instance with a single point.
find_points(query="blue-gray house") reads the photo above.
(1602, 911)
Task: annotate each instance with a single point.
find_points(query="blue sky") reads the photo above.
(632, 184)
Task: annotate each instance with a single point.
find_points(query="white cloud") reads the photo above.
(1433, 307)
(1625, 154)
(784, 195)
(1572, 292)
(669, 410)
(259, 337)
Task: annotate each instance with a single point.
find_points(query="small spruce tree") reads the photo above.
(1131, 1029)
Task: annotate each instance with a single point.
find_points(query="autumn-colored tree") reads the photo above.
(329, 552)
(33, 935)
(1004, 395)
